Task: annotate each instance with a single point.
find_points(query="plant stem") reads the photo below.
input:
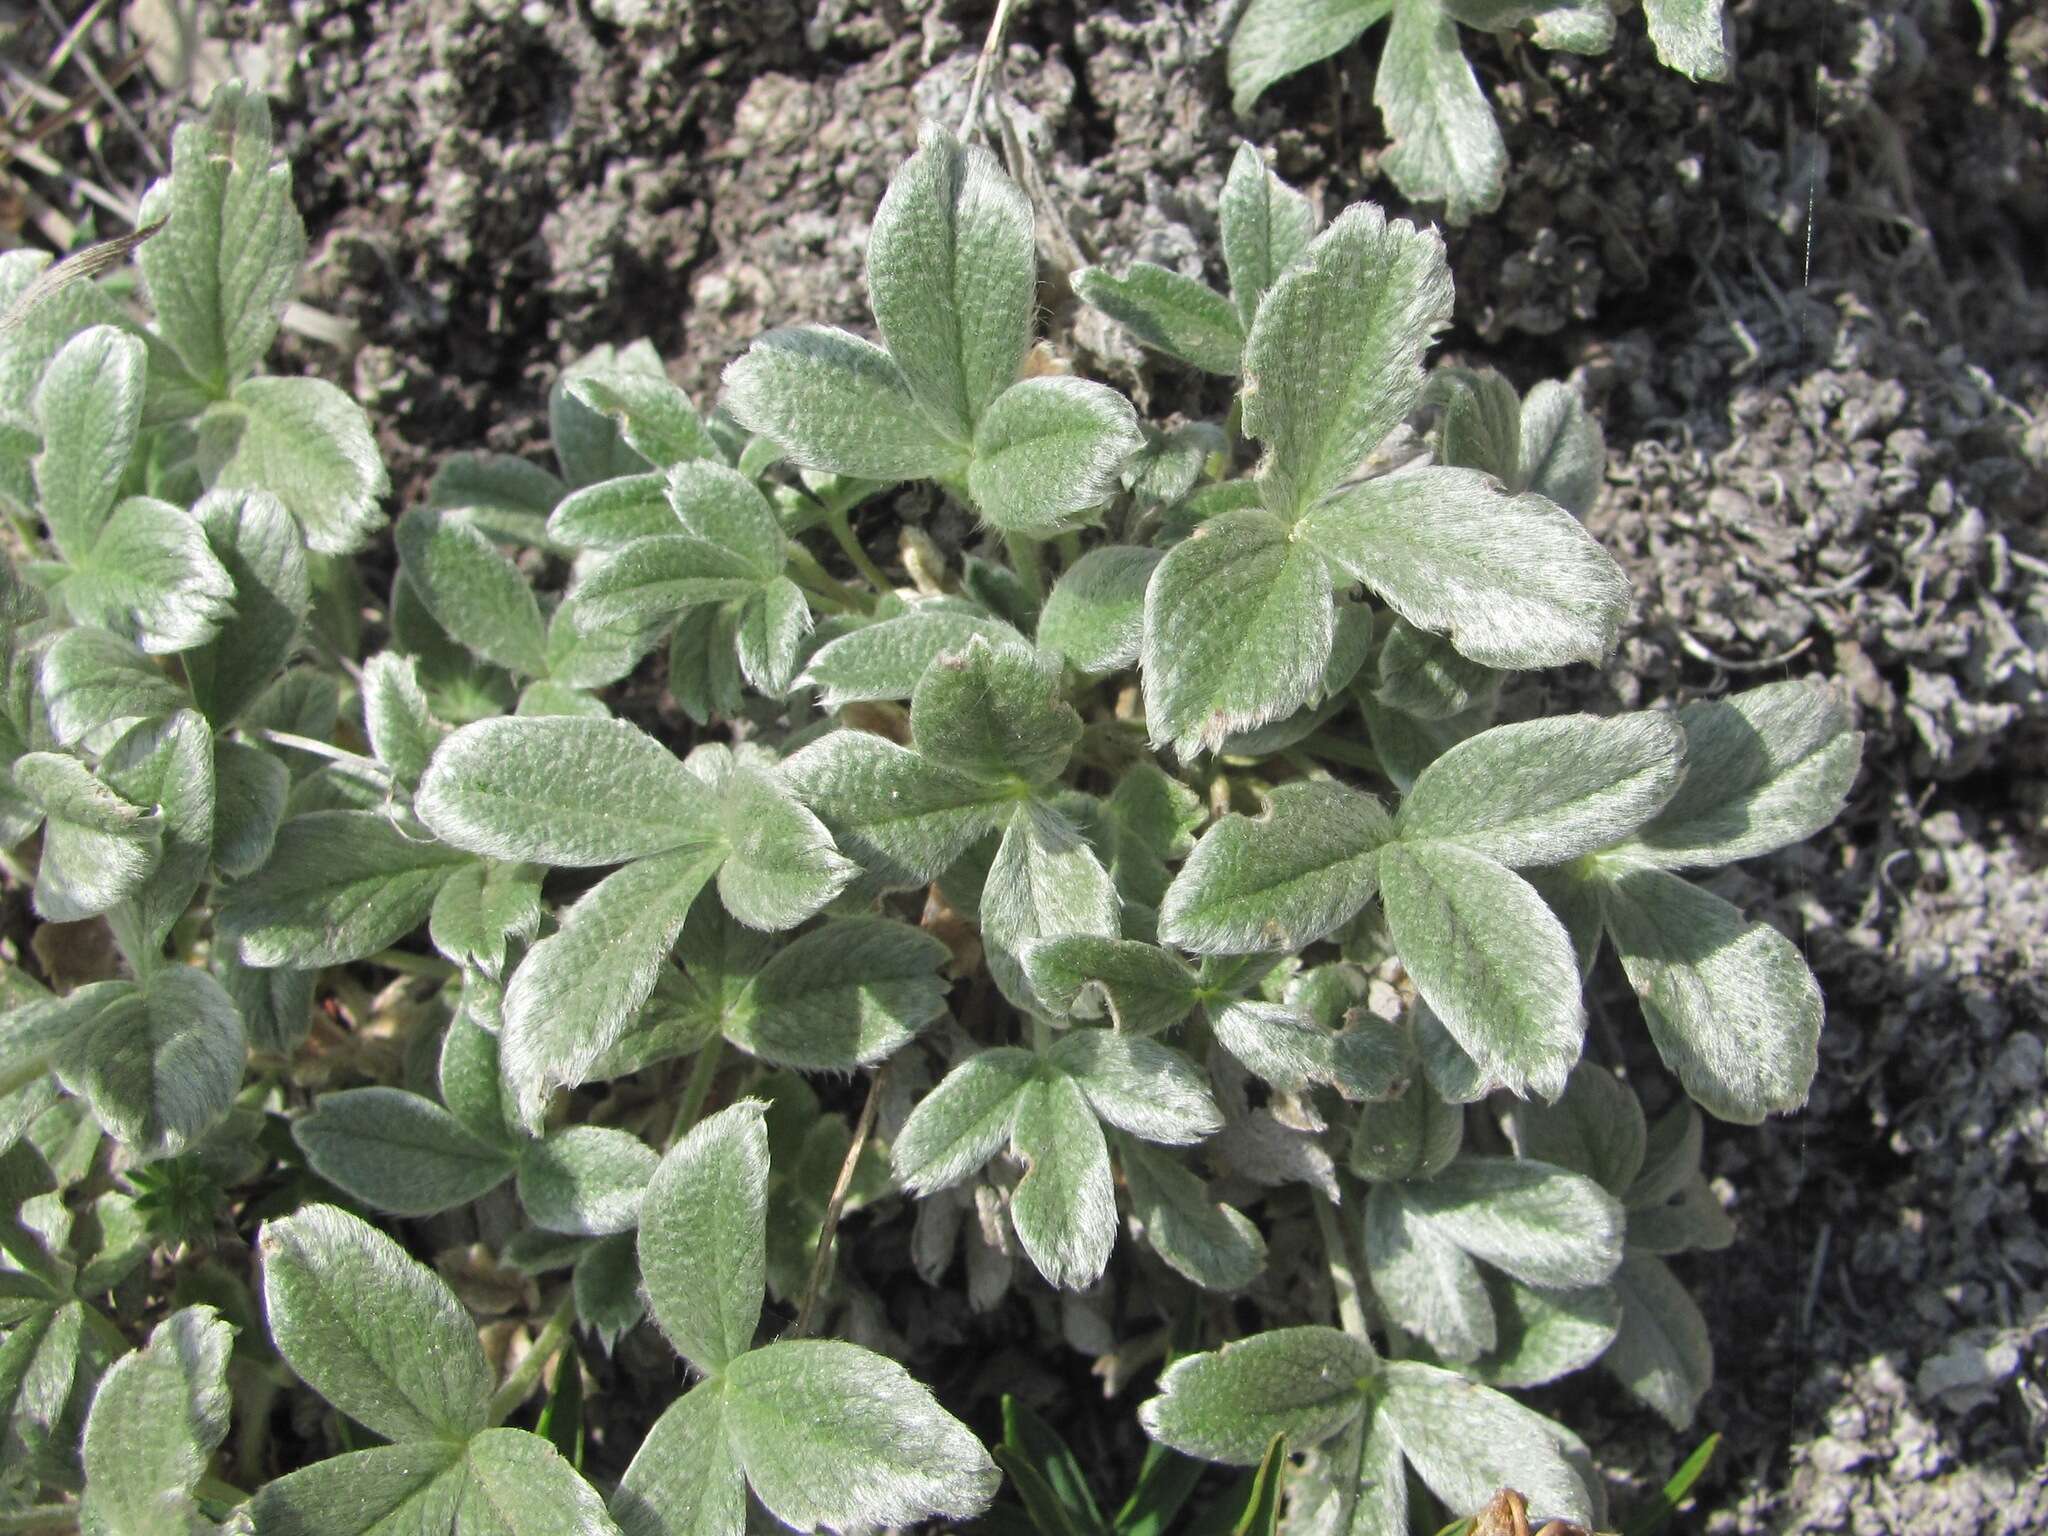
(517, 1385)
(1024, 556)
(410, 964)
(322, 749)
(1350, 1309)
(1337, 750)
(970, 120)
(829, 1228)
(43, 1520)
(821, 583)
(696, 1089)
(842, 533)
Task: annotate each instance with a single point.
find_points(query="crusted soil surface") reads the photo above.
(1812, 310)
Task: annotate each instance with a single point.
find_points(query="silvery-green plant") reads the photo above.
(1444, 145)
(1162, 863)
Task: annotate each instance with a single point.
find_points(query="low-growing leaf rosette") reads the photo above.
(678, 890)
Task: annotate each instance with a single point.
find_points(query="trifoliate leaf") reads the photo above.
(900, 818)
(1691, 36)
(586, 1179)
(685, 1480)
(1426, 1283)
(833, 1435)
(651, 580)
(1662, 1352)
(222, 268)
(156, 1420)
(1734, 1010)
(516, 1483)
(722, 507)
(1045, 882)
(885, 660)
(1095, 614)
(1180, 316)
(1544, 1335)
(168, 764)
(994, 712)
(562, 791)
(398, 1152)
(1048, 449)
(411, 1487)
(1563, 455)
(1543, 1225)
(1692, 1221)
(1227, 1405)
(371, 1330)
(1492, 962)
(1266, 224)
(473, 589)
(150, 575)
(613, 513)
(1597, 1129)
(1334, 359)
(780, 866)
(481, 906)
(1139, 1086)
(964, 1121)
(340, 885)
(1764, 768)
(257, 544)
(1446, 146)
(1423, 675)
(952, 276)
(1514, 579)
(703, 1242)
(773, 625)
(1413, 1135)
(606, 1286)
(1278, 1043)
(88, 409)
(1064, 1208)
(506, 498)
(249, 790)
(846, 995)
(1145, 988)
(95, 685)
(654, 417)
(1214, 1245)
(1238, 626)
(1546, 791)
(1274, 38)
(837, 403)
(577, 990)
(1282, 880)
(307, 444)
(1482, 423)
(98, 848)
(1465, 1441)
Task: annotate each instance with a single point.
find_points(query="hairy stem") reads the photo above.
(1024, 556)
(821, 584)
(702, 1071)
(523, 1376)
(1337, 750)
(829, 1228)
(842, 533)
(1350, 1306)
(410, 964)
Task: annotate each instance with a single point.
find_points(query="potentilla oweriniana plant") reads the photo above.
(1444, 145)
(1194, 920)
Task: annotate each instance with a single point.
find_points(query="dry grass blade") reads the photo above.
(79, 267)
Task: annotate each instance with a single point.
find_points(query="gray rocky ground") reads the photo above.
(1829, 455)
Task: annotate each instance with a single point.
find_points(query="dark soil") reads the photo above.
(1812, 309)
